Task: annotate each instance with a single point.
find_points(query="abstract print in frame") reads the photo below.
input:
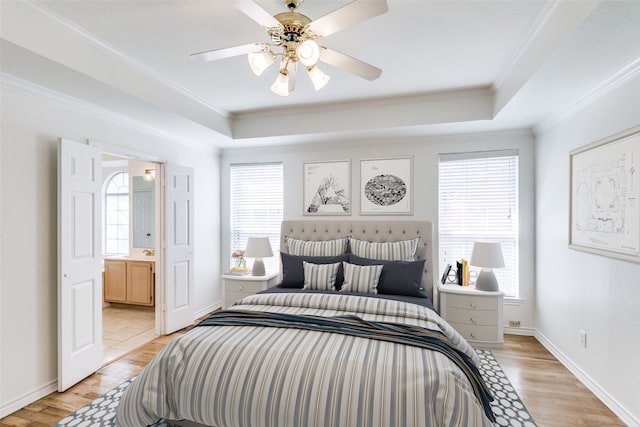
(605, 196)
(326, 187)
(385, 186)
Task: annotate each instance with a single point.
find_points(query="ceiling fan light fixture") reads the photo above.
(281, 85)
(260, 61)
(309, 53)
(318, 78)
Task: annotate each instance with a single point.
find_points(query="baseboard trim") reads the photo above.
(530, 332)
(28, 398)
(208, 309)
(588, 382)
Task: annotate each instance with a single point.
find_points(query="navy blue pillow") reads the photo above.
(293, 271)
(397, 277)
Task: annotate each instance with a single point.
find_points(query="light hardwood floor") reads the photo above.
(552, 394)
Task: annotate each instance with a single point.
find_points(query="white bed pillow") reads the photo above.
(361, 278)
(317, 247)
(320, 276)
(403, 250)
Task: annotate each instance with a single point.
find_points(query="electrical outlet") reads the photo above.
(514, 323)
(583, 338)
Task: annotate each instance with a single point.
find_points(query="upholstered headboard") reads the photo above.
(372, 231)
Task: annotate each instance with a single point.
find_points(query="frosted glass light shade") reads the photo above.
(309, 53)
(318, 78)
(281, 85)
(260, 61)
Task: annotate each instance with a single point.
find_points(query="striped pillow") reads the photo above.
(320, 276)
(403, 250)
(317, 248)
(361, 278)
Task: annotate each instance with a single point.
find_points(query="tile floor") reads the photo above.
(124, 328)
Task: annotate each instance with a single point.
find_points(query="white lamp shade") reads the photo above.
(309, 53)
(258, 247)
(281, 85)
(318, 78)
(260, 61)
(487, 255)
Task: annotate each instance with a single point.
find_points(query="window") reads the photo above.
(257, 200)
(116, 215)
(478, 201)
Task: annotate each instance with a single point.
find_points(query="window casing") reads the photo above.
(116, 215)
(257, 203)
(478, 201)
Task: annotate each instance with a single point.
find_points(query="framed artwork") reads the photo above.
(385, 186)
(326, 188)
(604, 201)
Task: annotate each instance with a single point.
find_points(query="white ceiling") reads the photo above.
(448, 66)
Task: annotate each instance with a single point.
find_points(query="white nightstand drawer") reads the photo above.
(472, 317)
(478, 333)
(244, 286)
(232, 296)
(474, 302)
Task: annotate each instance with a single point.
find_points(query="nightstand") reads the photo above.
(235, 288)
(476, 314)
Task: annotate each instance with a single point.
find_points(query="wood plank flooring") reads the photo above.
(552, 394)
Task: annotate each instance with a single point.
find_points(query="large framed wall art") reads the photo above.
(605, 196)
(326, 188)
(386, 187)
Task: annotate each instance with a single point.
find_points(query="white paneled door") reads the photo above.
(79, 262)
(179, 308)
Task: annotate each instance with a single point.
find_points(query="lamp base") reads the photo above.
(487, 281)
(258, 267)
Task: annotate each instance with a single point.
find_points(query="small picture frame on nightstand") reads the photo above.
(447, 269)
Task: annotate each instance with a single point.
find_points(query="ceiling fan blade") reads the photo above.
(350, 64)
(228, 52)
(257, 13)
(350, 14)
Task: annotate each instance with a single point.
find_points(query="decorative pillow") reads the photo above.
(359, 278)
(317, 247)
(293, 270)
(403, 250)
(320, 276)
(398, 277)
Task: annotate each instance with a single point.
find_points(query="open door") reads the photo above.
(179, 310)
(79, 262)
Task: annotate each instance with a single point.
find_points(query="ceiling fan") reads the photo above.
(293, 38)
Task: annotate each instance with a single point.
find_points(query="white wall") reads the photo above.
(581, 291)
(425, 184)
(30, 127)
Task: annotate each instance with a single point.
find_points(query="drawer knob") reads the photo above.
(241, 288)
(473, 305)
(473, 320)
(472, 335)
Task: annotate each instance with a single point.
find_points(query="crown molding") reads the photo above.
(608, 85)
(139, 66)
(25, 87)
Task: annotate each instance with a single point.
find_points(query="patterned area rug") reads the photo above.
(507, 406)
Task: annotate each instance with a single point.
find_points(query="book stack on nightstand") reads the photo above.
(236, 287)
(476, 314)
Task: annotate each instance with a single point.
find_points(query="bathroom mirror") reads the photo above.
(143, 215)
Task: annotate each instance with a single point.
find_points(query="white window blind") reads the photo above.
(116, 215)
(478, 201)
(257, 202)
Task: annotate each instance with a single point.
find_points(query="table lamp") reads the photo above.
(487, 255)
(258, 248)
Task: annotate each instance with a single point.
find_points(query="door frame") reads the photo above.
(160, 283)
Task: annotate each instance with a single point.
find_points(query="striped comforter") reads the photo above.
(227, 376)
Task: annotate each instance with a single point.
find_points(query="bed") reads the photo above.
(357, 343)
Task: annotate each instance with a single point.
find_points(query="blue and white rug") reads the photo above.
(507, 406)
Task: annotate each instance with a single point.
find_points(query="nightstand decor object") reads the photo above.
(258, 248)
(487, 255)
